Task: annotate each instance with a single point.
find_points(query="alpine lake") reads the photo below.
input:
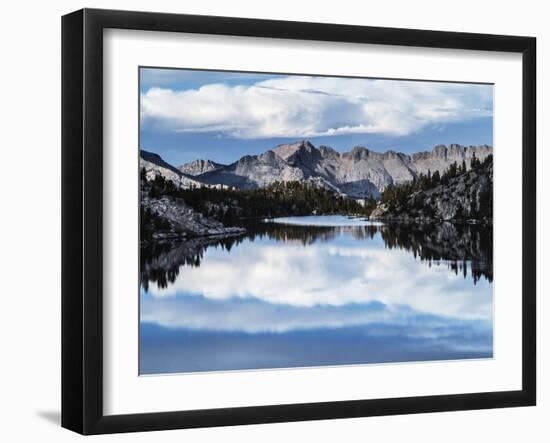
(309, 291)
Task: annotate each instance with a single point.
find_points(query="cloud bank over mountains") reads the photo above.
(304, 106)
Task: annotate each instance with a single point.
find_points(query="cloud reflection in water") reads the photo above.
(365, 294)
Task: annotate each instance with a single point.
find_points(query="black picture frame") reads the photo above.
(82, 218)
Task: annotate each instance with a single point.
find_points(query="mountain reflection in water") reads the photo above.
(458, 245)
(296, 295)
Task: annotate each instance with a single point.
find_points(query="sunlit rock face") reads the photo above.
(199, 166)
(154, 165)
(286, 151)
(184, 221)
(359, 173)
(441, 157)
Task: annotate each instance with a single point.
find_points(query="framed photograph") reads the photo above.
(269, 221)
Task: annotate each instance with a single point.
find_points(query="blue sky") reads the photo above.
(189, 114)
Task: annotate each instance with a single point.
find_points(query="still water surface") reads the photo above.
(317, 290)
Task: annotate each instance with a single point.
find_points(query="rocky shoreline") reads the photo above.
(384, 215)
(183, 222)
(212, 233)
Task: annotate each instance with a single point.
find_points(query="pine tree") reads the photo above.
(475, 163)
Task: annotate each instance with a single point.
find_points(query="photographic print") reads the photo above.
(292, 221)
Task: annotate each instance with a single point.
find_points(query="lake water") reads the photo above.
(315, 291)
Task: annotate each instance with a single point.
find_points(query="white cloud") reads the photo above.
(252, 316)
(301, 106)
(322, 274)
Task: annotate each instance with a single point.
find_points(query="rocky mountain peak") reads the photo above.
(357, 153)
(328, 152)
(456, 151)
(157, 160)
(439, 151)
(287, 150)
(154, 165)
(269, 157)
(199, 166)
(393, 155)
(245, 159)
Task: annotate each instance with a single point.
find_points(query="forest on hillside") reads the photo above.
(458, 193)
(275, 200)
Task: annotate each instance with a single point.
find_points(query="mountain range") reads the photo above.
(359, 173)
